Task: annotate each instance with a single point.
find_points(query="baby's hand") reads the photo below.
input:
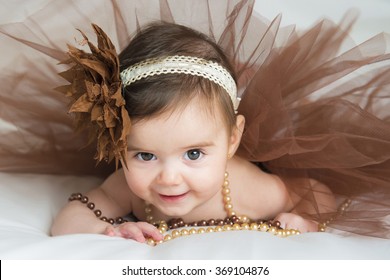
(137, 231)
(294, 221)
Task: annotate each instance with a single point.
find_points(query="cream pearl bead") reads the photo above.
(244, 223)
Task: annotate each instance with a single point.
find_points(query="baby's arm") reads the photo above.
(113, 198)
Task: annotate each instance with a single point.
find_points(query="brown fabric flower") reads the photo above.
(97, 101)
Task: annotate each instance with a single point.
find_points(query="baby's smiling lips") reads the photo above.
(173, 198)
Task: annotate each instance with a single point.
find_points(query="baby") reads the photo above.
(179, 159)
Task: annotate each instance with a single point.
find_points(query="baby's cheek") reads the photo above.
(209, 185)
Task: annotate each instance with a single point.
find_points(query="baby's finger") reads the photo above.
(282, 223)
(150, 230)
(110, 231)
(132, 231)
(281, 220)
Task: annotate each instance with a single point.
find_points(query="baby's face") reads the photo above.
(177, 161)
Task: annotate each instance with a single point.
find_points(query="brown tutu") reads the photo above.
(312, 109)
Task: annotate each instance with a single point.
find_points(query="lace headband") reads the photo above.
(95, 87)
(183, 65)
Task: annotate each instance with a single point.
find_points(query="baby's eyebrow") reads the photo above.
(200, 145)
(134, 148)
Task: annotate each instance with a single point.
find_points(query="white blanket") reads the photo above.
(29, 202)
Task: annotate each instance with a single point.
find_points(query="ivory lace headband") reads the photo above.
(183, 65)
(96, 92)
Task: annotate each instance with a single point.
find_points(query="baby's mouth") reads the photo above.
(173, 198)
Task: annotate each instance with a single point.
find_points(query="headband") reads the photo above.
(95, 87)
(183, 65)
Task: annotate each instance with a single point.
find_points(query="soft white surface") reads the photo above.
(28, 202)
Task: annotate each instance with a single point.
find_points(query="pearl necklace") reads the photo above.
(231, 222)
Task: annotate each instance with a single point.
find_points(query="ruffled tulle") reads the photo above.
(313, 108)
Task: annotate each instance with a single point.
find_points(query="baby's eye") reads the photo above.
(146, 156)
(193, 154)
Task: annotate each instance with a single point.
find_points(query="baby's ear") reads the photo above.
(236, 135)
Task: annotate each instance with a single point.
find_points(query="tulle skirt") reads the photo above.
(313, 109)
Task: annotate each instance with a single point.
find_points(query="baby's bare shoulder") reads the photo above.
(116, 189)
(116, 181)
(260, 193)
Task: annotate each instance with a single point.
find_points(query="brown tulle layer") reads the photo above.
(313, 108)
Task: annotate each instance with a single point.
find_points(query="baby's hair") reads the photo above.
(154, 95)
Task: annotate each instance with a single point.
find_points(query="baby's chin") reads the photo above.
(174, 213)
